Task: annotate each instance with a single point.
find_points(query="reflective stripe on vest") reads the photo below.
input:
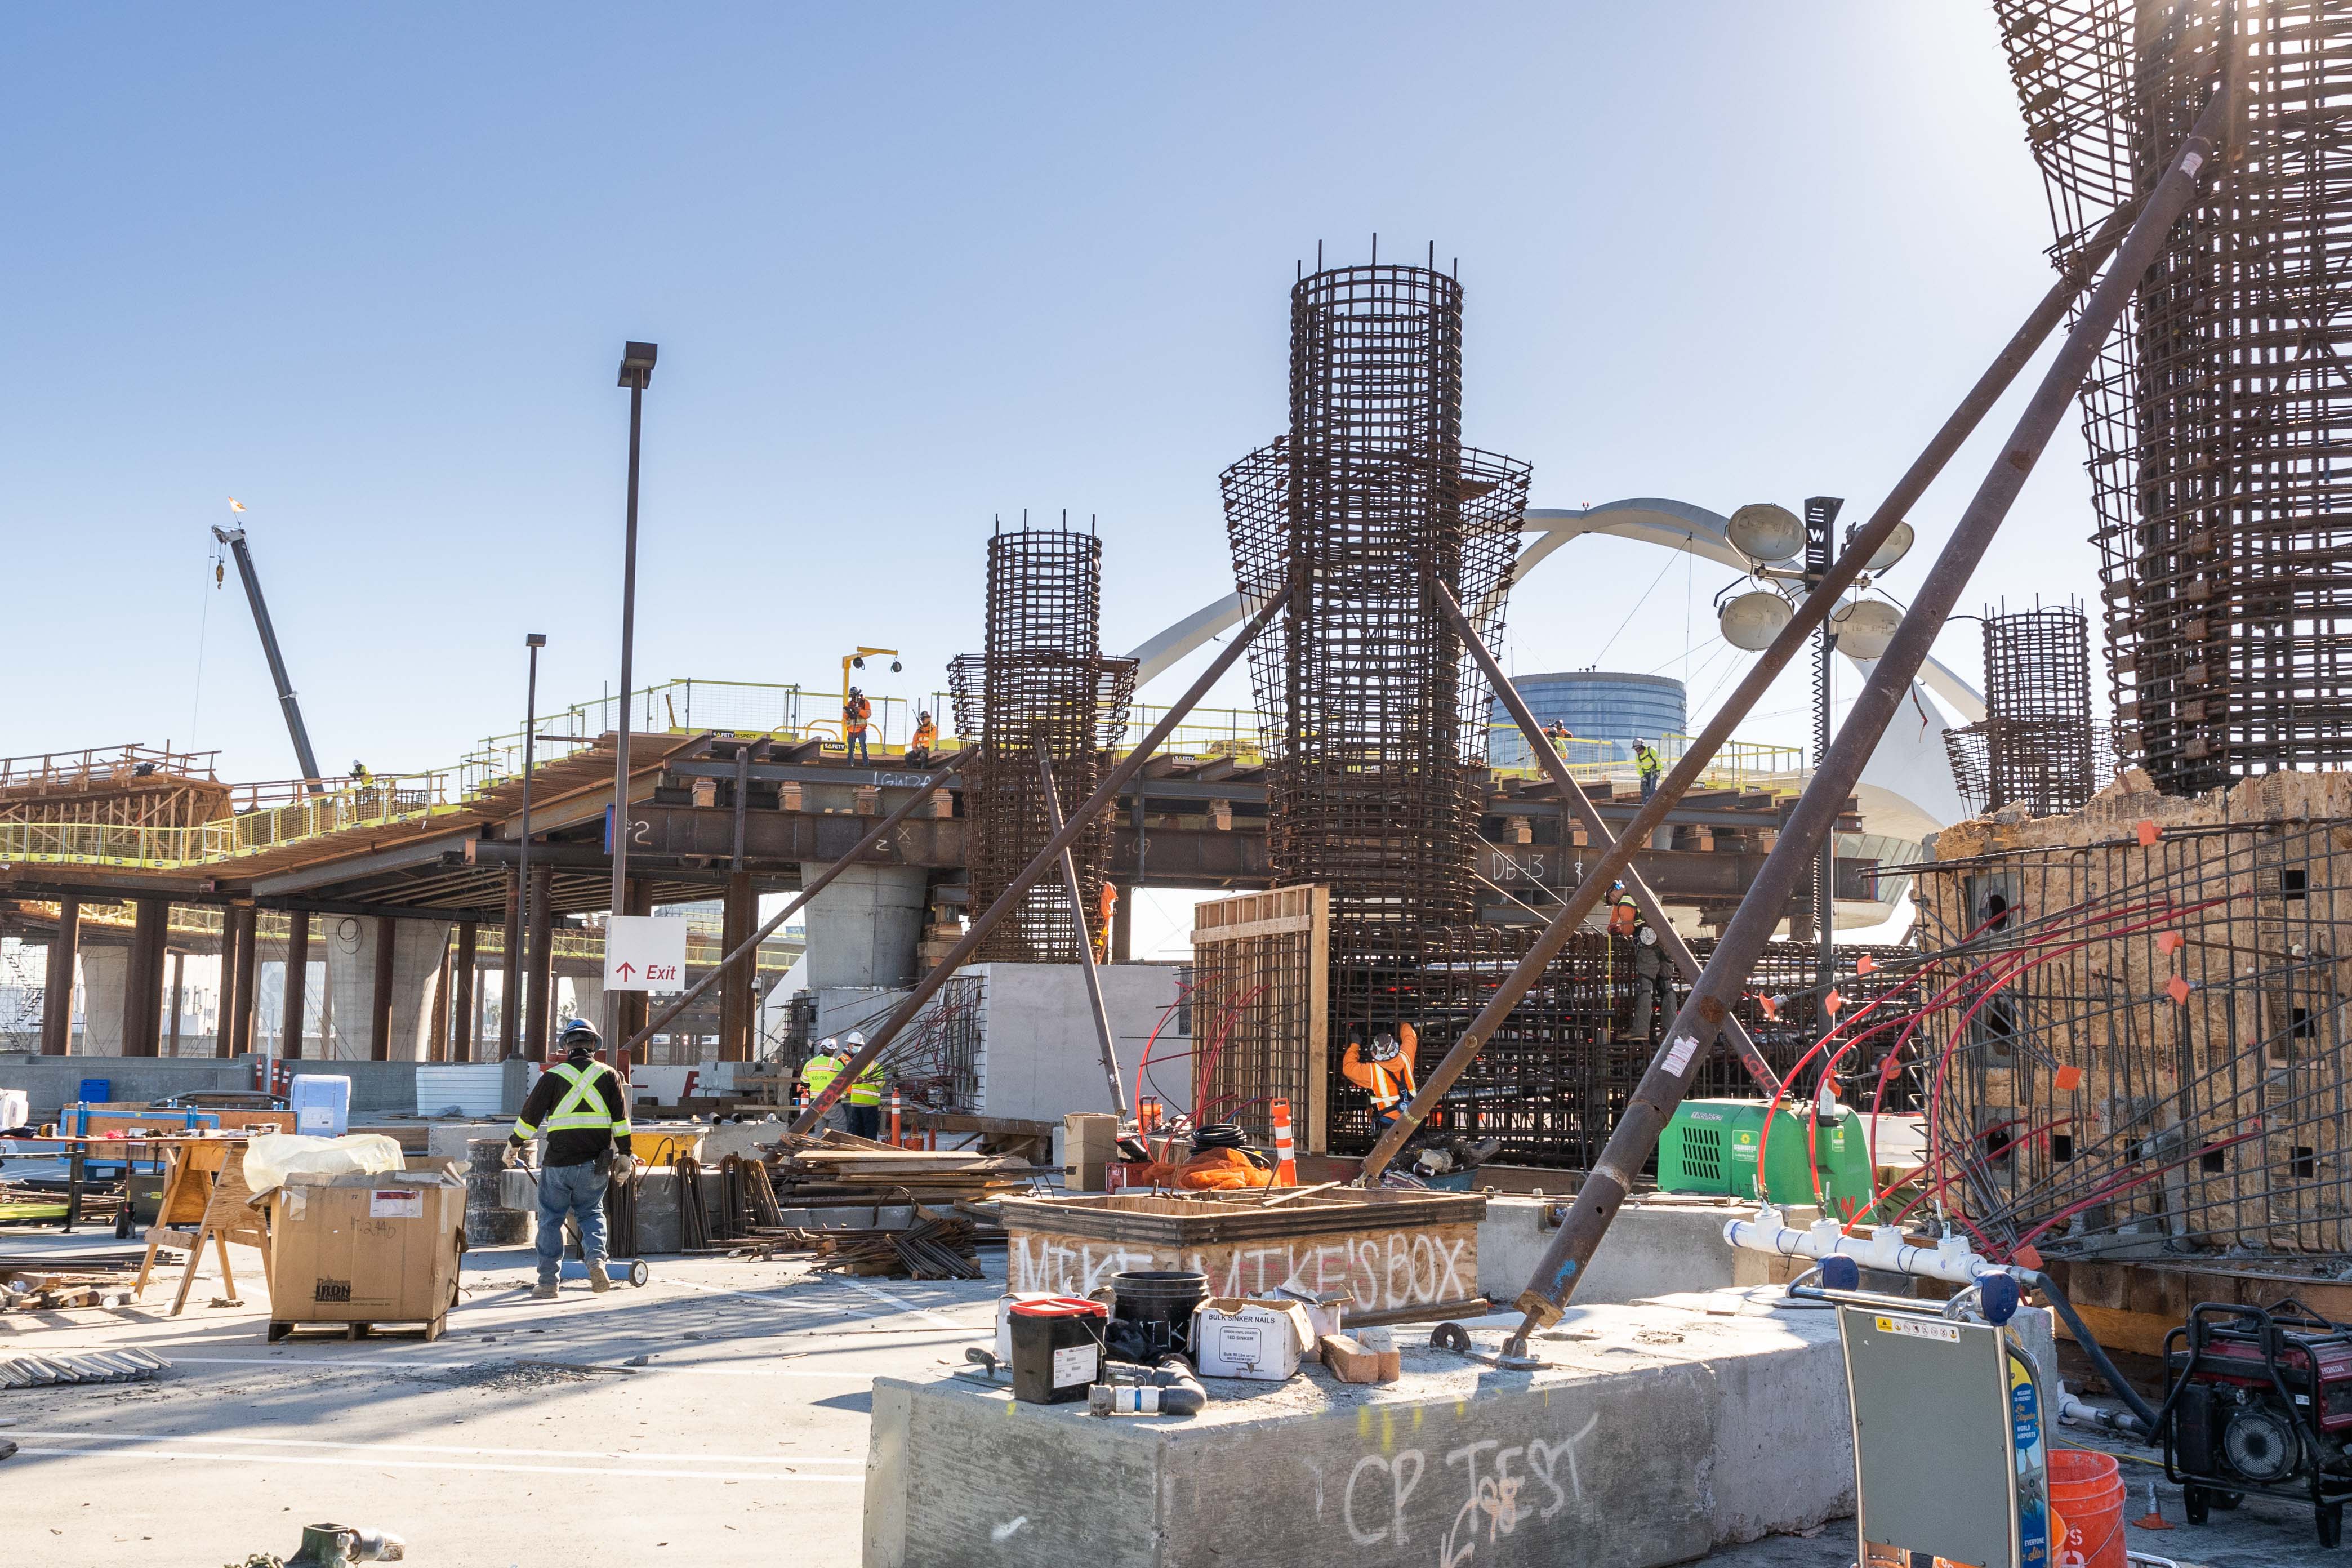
(1387, 1085)
(819, 1072)
(865, 1088)
(583, 1108)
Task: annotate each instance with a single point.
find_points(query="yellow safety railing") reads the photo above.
(1737, 764)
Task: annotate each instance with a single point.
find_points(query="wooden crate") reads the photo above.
(1384, 1249)
(1261, 1007)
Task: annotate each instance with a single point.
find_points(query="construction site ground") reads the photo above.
(739, 1435)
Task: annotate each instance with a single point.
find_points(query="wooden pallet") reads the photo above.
(280, 1330)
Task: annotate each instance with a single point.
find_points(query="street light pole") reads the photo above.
(636, 375)
(1821, 518)
(534, 641)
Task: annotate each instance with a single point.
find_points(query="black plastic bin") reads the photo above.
(1057, 1348)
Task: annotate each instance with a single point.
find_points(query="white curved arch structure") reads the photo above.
(1906, 790)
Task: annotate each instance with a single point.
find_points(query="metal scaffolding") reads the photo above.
(1042, 683)
(2036, 746)
(2220, 417)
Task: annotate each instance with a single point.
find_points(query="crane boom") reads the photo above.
(235, 538)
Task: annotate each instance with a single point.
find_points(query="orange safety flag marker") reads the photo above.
(2148, 832)
(1834, 1002)
(2171, 941)
(1285, 1166)
(1771, 1008)
(2070, 1078)
(2177, 989)
(1864, 963)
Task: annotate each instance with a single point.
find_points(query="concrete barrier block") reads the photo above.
(1654, 1433)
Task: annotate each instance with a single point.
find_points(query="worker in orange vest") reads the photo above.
(1110, 908)
(1384, 1073)
(927, 735)
(855, 711)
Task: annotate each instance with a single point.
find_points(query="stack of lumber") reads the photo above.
(839, 1169)
(937, 1246)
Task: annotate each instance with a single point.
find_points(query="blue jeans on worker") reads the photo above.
(578, 1191)
(864, 1122)
(857, 753)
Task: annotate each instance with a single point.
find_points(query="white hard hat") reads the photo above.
(826, 1044)
(856, 1040)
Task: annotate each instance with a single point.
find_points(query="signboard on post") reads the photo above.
(644, 952)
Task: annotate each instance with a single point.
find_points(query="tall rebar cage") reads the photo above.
(1375, 715)
(1042, 684)
(2036, 747)
(2220, 417)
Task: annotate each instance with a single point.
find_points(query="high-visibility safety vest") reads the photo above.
(818, 1072)
(1646, 764)
(581, 1107)
(865, 1088)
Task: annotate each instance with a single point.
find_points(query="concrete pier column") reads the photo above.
(740, 919)
(387, 940)
(348, 1020)
(103, 971)
(58, 985)
(241, 937)
(542, 963)
(588, 999)
(864, 927)
(179, 998)
(1122, 927)
(510, 974)
(143, 981)
(298, 975)
(461, 1006)
(418, 948)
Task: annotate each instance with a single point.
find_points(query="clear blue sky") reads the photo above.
(370, 270)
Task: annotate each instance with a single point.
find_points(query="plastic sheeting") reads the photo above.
(273, 1158)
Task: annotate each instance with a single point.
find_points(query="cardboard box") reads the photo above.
(1234, 1336)
(366, 1248)
(1089, 1148)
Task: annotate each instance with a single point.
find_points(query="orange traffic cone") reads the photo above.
(1286, 1167)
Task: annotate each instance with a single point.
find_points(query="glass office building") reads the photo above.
(1596, 706)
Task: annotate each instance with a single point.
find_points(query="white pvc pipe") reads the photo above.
(1952, 1260)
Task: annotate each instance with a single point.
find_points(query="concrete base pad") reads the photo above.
(1655, 1432)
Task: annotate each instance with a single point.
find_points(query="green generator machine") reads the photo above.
(1711, 1146)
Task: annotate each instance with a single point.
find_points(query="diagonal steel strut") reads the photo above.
(2013, 358)
(1041, 863)
(1692, 1031)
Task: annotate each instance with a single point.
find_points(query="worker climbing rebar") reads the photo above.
(1653, 971)
(1383, 1072)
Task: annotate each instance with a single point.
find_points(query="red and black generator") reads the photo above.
(2259, 1399)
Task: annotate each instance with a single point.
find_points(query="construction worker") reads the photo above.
(583, 1108)
(865, 1095)
(1653, 973)
(855, 711)
(1108, 910)
(1384, 1073)
(1559, 735)
(1646, 764)
(360, 773)
(818, 1073)
(927, 735)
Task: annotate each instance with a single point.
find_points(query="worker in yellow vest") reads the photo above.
(865, 1095)
(581, 1107)
(819, 1071)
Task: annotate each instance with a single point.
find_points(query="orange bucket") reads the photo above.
(2086, 1502)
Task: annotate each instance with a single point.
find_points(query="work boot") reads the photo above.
(598, 1281)
(544, 1292)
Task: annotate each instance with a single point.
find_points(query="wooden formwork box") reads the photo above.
(2227, 1059)
(1261, 1009)
(1381, 1248)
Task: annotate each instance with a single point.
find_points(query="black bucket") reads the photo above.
(1151, 1312)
